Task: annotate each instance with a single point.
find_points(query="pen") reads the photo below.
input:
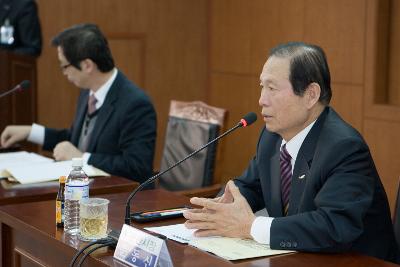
(163, 213)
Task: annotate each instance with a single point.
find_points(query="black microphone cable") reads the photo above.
(110, 243)
(79, 252)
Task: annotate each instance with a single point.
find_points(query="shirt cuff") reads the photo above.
(260, 229)
(37, 134)
(85, 158)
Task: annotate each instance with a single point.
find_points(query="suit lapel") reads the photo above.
(300, 175)
(276, 199)
(303, 163)
(80, 116)
(105, 112)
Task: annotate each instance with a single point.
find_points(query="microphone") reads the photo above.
(244, 122)
(20, 87)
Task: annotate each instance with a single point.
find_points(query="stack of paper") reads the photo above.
(224, 247)
(28, 168)
(15, 158)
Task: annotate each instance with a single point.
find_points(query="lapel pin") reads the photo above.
(302, 176)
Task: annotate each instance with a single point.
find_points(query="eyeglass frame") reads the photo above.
(66, 66)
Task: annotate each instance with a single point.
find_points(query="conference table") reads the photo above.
(30, 238)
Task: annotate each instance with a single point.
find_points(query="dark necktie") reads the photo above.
(92, 104)
(286, 177)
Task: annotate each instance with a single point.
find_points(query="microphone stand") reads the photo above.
(151, 179)
(20, 87)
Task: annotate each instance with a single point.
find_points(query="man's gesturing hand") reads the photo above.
(232, 219)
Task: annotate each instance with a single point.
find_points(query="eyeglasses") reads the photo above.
(66, 66)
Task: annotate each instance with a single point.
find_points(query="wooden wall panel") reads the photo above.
(242, 32)
(230, 36)
(162, 45)
(338, 27)
(274, 22)
(347, 100)
(394, 58)
(132, 48)
(239, 95)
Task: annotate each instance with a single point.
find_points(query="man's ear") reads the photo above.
(87, 65)
(312, 94)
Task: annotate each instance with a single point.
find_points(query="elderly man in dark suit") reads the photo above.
(115, 123)
(312, 172)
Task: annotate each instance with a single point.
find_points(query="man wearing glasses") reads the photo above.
(115, 123)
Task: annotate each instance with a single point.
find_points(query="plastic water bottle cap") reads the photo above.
(77, 162)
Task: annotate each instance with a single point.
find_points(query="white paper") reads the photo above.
(224, 247)
(20, 158)
(235, 248)
(176, 232)
(29, 168)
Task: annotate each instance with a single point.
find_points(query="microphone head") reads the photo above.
(248, 119)
(25, 84)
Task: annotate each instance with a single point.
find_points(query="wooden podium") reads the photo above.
(19, 107)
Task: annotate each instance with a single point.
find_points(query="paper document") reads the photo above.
(235, 248)
(17, 158)
(176, 232)
(224, 247)
(29, 168)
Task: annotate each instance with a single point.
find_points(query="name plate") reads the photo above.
(140, 249)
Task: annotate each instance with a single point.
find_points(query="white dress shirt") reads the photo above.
(261, 227)
(38, 131)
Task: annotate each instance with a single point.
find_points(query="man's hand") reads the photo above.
(66, 151)
(13, 134)
(225, 198)
(230, 215)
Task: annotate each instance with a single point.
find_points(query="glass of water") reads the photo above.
(93, 215)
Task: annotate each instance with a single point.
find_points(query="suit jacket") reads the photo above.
(123, 139)
(23, 17)
(337, 201)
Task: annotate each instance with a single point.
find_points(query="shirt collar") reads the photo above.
(103, 90)
(293, 146)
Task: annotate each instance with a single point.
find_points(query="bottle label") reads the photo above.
(77, 191)
(59, 211)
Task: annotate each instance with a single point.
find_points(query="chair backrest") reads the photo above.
(190, 125)
(396, 217)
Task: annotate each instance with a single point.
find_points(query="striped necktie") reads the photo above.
(286, 177)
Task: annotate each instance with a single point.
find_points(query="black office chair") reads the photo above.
(190, 125)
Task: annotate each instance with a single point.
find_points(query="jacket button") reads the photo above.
(282, 244)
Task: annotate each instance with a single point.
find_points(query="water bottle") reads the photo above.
(7, 33)
(76, 190)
